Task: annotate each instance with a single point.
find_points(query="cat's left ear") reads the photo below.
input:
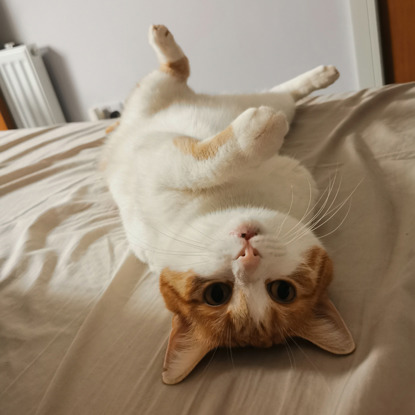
(326, 329)
(183, 352)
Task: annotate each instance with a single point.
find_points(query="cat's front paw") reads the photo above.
(260, 131)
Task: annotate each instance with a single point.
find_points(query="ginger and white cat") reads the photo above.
(210, 205)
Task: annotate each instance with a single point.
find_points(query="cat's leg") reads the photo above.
(167, 83)
(283, 97)
(254, 136)
(308, 82)
(172, 60)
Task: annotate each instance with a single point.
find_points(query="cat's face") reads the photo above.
(263, 279)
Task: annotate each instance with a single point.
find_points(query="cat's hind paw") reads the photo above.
(162, 41)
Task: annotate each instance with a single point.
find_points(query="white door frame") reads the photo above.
(366, 34)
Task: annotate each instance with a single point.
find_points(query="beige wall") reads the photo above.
(98, 48)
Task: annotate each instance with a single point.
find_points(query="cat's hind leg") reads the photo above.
(167, 84)
(170, 55)
(308, 82)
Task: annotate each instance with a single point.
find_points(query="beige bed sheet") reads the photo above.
(83, 328)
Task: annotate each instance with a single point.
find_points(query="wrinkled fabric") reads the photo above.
(83, 328)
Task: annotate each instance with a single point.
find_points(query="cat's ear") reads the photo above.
(183, 353)
(326, 329)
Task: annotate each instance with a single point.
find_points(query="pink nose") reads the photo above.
(245, 232)
(249, 257)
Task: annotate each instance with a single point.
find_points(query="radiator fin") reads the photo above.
(27, 88)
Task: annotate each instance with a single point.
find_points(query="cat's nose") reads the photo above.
(248, 234)
(249, 257)
(245, 232)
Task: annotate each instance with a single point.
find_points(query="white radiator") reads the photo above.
(27, 88)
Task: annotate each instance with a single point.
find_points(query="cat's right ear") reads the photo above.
(184, 352)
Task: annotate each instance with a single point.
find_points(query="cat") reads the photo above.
(224, 220)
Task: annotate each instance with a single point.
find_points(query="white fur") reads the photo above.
(180, 212)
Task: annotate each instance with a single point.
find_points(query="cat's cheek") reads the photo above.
(174, 287)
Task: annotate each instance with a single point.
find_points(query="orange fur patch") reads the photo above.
(179, 69)
(233, 326)
(175, 287)
(320, 262)
(112, 127)
(183, 295)
(203, 150)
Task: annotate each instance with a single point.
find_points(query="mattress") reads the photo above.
(83, 327)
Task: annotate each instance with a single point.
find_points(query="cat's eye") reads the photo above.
(281, 291)
(217, 294)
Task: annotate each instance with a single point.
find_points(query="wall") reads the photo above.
(97, 49)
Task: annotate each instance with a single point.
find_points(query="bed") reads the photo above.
(83, 328)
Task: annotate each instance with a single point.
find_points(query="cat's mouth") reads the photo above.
(248, 257)
(247, 251)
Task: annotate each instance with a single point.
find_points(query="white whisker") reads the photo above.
(285, 336)
(145, 246)
(307, 211)
(336, 209)
(304, 226)
(192, 264)
(288, 213)
(181, 239)
(331, 204)
(312, 364)
(230, 346)
(318, 225)
(341, 223)
(290, 353)
(210, 360)
(202, 233)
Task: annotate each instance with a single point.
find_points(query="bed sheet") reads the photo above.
(83, 328)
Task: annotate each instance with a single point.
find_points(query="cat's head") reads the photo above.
(262, 279)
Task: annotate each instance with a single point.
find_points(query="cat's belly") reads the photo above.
(280, 184)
